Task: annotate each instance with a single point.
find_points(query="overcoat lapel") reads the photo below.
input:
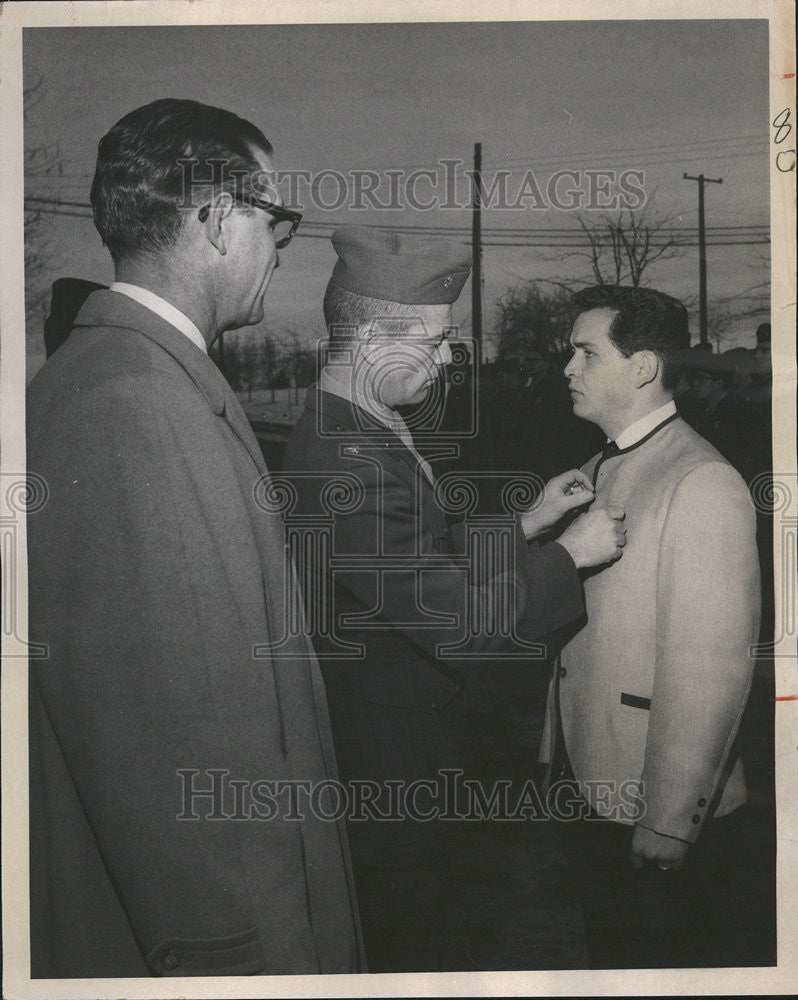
(112, 309)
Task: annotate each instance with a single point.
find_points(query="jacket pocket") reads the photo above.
(635, 701)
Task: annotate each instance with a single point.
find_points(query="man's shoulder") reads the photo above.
(675, 458)
(309, 442)
(329, 434)
(673, 451)
(110, 375)
(700, 478)
(99, 353)
(686, 451)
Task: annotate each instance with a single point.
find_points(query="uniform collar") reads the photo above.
(337, 415)
(388, 418)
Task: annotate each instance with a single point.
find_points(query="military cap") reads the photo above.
(399, 268)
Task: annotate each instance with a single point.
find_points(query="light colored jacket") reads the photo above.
(653, 687)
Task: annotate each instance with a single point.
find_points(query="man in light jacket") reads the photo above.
(647, 697)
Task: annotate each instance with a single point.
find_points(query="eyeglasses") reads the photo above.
(286, 220)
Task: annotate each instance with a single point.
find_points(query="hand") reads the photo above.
(561, 494)
(649, 847)
(596, 537)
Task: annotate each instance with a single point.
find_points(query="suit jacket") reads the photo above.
(154, 577)
(417, 602)
(652, 689)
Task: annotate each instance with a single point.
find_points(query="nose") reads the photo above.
(443, 354)
(570, 368)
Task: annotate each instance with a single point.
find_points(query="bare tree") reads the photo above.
(300, 361)
(532, 318)
(250, 368)
(719, 324)
(270, 360)
(42, 162)
(728, 313)
(749, 305)
(620, 248)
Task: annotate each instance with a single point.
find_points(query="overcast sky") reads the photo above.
(657, 97)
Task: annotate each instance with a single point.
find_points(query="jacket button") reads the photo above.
(702, 802)
(563, 672)
(170, 960)
(696, 819)
(434, 706)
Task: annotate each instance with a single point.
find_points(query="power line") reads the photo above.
(565, 231)
(533, 240)
(531, 159)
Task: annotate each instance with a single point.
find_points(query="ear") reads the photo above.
(371, 341)
(218, 210)
(646, 368)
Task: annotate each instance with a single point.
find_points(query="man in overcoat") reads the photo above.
(158, 587)
(402, 607)
(647, 696)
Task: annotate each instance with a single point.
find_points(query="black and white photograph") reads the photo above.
(399, 500)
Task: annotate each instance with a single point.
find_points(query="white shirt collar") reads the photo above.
(645, 425)
(164, 309)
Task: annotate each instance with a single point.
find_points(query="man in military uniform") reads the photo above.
(398, 623)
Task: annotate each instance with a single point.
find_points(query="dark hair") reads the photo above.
(644, 320)
(155, 161)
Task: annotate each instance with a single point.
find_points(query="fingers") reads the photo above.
(580, 477)
(664, 865)
(573, 480)
(570, 501)
(573, 488)
(657, 851)
(618, 516)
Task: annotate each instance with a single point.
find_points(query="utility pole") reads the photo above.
(702, 253)
(476, 270)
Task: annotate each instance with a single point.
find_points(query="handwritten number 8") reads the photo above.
(782, 126)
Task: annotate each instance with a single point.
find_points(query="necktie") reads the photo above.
(610, 449)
